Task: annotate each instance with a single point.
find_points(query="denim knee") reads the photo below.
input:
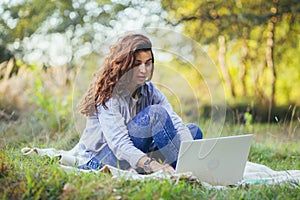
(151, 114)
(158, 112)
(195, 131)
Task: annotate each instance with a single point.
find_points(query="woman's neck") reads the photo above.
(135, 93)
(133, 89)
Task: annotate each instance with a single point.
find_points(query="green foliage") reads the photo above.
(214, 18)
(244, 25)
(30, 16)
(81, 19)
(42, 97)
(53, 110)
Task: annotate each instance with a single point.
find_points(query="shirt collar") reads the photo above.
(143, 91)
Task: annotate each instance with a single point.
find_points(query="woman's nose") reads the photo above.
(142, 68)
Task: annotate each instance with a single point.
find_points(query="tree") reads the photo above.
(255, 29)
(18, 21)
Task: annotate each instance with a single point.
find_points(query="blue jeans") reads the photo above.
(152, 131)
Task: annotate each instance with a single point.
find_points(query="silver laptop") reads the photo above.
(217, 161)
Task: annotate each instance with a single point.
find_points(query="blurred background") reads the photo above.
(49, 51)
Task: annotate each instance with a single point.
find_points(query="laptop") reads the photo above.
(217, 161)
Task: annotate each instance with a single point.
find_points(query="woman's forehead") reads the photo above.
(143, 55)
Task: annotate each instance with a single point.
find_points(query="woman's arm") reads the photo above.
(116, 133)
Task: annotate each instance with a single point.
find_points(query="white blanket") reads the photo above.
(254, 173)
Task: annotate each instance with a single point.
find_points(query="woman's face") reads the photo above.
(142, 67)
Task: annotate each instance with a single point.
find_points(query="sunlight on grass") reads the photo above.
(38, 177)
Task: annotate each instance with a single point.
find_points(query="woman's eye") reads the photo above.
(149, 64)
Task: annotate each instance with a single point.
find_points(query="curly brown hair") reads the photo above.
(119, 61)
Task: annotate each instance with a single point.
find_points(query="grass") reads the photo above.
(35, 177)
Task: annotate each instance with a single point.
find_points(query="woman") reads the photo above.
(127, 116)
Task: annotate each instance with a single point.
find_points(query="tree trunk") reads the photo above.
(270, 56)
(258, 91)
(244, 69)
(222, 63)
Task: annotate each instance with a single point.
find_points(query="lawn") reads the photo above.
(35, 177)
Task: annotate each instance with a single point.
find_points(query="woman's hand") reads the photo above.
(168, 168)
(154, 166)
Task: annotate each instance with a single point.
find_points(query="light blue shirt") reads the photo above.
(108, 127)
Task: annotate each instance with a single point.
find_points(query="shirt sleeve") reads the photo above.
(159, 98)
(116, 133)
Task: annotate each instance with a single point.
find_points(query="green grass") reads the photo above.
(35, 177)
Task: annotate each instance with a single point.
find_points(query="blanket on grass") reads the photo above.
(254, 173)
